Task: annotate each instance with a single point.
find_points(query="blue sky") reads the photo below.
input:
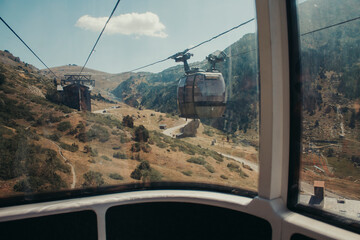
(63, 32)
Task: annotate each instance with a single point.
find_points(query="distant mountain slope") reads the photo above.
(158, 91)
(104, 82)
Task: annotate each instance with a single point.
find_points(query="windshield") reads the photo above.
(95, 109)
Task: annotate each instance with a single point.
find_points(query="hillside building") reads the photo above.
(75, 91)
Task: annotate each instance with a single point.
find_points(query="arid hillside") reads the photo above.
(48, 147)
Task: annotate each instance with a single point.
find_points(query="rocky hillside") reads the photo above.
(46, 147)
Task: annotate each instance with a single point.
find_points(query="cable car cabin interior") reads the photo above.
(275, 150)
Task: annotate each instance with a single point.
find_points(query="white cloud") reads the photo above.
(138, 24)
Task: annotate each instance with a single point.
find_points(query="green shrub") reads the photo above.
(38, 100)
(233, 166)
(99, 132)
(197, 160)
(53, 119)
(55, 137)
(187, 173)
(94, 152)
(152, 175)
(64, 109)
(136, 174)
(135, 147)
(208, 132)
(64, 126)
(80, 126)
(106, 120)
(137, 157)
(73, 131)
(106, 158)
(93, 179)
(210, 168)
(124, 139)
(72, 148)
(224, 177)
(167, 139)
(115, 132)
(88, 149)
(144, 172)
(22, 186)
(116, 176)
(146, 148)
(120, 155)
(243, 174)
(217, 156)
(236, 168)
(11, 109)
(162, 145)
(82, 137)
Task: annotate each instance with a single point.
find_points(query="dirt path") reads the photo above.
(67, 162)
(170, 131)
(253, 165)
(102, 110)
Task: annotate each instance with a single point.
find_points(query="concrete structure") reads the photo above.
(162, 126)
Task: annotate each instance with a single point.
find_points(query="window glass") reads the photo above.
(97, 118)
(330, 124)
(209, 89)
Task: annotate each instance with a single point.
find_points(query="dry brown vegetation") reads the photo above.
(101, 149)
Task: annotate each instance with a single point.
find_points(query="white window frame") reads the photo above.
(273, 154)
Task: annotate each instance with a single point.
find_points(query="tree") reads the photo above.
(128, 121)
(141, 134)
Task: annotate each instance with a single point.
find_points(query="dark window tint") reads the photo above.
(182, 221)
(300, 237)
(76, 225)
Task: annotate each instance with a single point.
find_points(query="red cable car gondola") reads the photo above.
(201, 94)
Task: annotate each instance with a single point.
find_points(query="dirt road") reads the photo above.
(171, 131)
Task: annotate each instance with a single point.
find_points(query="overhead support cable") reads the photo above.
(93, 49)
(198, 45)
(336, 24)
(150, 64)
(231, 29)
(27, 46)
